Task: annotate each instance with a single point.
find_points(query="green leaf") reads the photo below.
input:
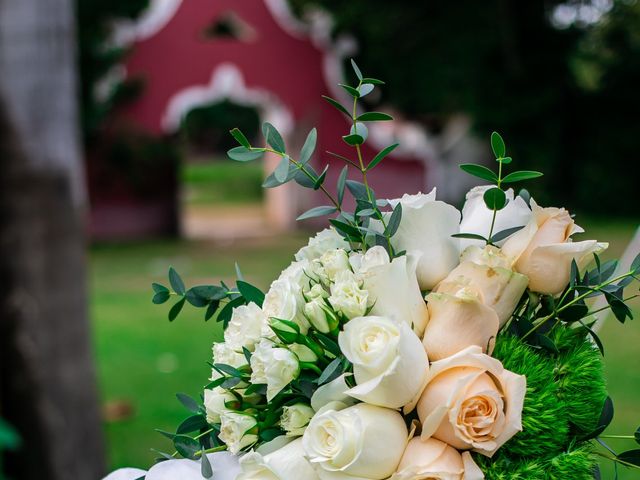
(176, 309)
(282, 170)
(360, 129)
(635, 265)
(202, 295)
(337, 105)
(239, 136)
(250, 293)
(356, 69)
(380, 156)
(227, 369)
(521, 175)
(351, 91)
(630, 456)
(161, 297)
(497, 145)
(321, 178)
(479, 171)
(303, 179)
(176, 282)
(501, 235)
(192, 424)
(374, 117)
(9, 438)
(273, 137)
(345, 228)
(186, 446)
(470, 236)
(318, 212)
(365, 89)
(606, 416)
(205, 467)
(394, 221)
(358, 190)
(329, 371)
(211, 310)
(636, 435)
(157, 288)
(309, 146)
(342, 179)
(505, 160)
(243, 154)
(495, 199)
(188, 402)
(372, 81)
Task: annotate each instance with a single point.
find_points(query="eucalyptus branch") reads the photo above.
(617, 460)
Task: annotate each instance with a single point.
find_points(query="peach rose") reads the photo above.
(472, 402)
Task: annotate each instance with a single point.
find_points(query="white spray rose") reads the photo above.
(488, 272)
(284, 301)
(245, 327)
(332, 396)
(327, 239)
(390, 364)
(476, 216)
(273, 366)
(458, 319)
(319, 314)
(426, 228)
(223, 353)
(472, 402)
(215, 403)
(361, 441)
(435, 460)
(295, 418)
(393, 288)
(543, 250)
(238, 430)
(335, 261)
(286, 463)
(347, 297)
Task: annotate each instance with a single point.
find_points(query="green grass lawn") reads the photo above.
(222, 182)
(144, 360)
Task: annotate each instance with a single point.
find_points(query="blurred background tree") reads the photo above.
(558, 78)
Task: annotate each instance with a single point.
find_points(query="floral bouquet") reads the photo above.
(407, 341)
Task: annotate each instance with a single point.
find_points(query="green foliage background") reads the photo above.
(566, 99)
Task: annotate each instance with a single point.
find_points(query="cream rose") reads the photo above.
(215, 403)
(332, 396)
(238, 430)
(223, 353)
(457, 319)
(390, 364)
(245, 327)
(472, 402)
(362, 441)
(347, 297)
(543, 250)
(324, 240)
(435, 460)
(487, 271)
(476, 217)
(426, 228)
(295, 418)
(284, 301)
(276, 367)
(286, 463)
(393, 288)
(335, 261)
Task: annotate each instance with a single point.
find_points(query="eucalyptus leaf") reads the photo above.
(282, 170)
(479, 171)
(161, 297)
(501, 235)
(495, 199)
(192, 424)
(360, 129)
(380, 156)
(353, 139)
(243, 154)
(321, 178)
(157, 288)
(356, 69)
(342, 179)
(176, 282)
(205, 467)
(186, 446)
(358, 190)
(239, 136)
(250, 293)
(303, 179)
(374, 117)
(350, 90)
(635, 265)
(318, 212)
(606, 416)
(372, 81)
(211, 310)
(337, 105)
(308, 147)
(176, 309)
(394, 221)
(521, 175)
(329, 371)
(636, 435)
(630, 456)
(273, 137)
(188, 402)
(469, 236)
(365, 89)
(497, 145)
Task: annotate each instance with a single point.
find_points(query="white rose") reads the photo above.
(327, 239)
(426, 228)
(284, 301)
(275, 367)
(238, 430)
(332, 396)
(335, 261)
(472, 402)
(286, 463)
(347, 297)
(245, 327)
(362, 441)
(223, 353)
(476, 216)
(390, 364)
(295, 418)
(458, 319)
(543, 250)
(435, 460)
(215, 403)
(487, 271)
(226, 468)
(319, 315)
(393, 288)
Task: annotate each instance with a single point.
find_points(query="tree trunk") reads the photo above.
(47, 380)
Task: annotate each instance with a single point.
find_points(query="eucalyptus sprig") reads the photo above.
(356, 226)
(495, 198)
